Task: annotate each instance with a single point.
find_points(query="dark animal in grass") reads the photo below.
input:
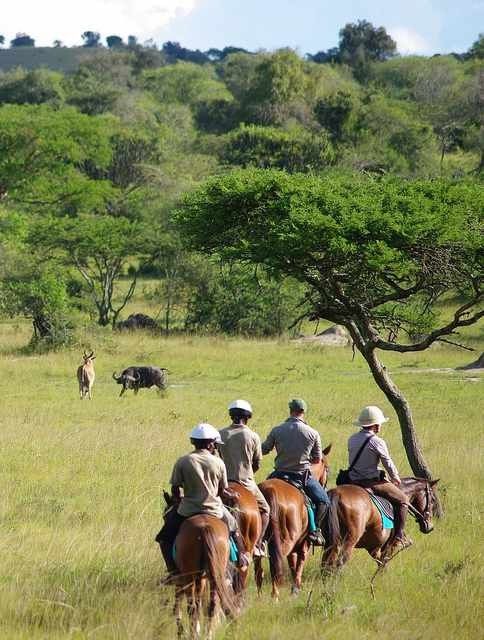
(137, 321)
(137, 378)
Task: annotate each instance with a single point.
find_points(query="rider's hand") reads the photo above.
(230, 496)
(396, 482)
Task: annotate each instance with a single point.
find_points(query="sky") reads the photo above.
(418, 26)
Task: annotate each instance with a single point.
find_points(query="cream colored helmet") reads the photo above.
(369, 416)
(205, 431)
(240, 404)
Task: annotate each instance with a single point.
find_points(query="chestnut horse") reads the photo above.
(360, 523)
(202, 559)
(288, 527)
(247, 512)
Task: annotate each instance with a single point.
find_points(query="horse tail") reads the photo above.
(274, 539)
(333, 533)
(215, 568)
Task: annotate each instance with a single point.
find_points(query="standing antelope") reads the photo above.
(86, 375)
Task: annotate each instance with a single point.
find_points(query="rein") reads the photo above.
(426, 511)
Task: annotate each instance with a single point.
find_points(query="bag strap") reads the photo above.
(360, 451)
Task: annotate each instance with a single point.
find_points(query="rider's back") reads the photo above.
(200, 474)
(239, 450)
(296, 443)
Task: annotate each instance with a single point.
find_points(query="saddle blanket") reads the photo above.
(233, 551)
(385, 508)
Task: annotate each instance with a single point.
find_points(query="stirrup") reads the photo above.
(260, 550)
(316, 538)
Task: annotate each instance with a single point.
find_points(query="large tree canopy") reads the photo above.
(376, 254)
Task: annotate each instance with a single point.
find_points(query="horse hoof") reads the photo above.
(295, 591)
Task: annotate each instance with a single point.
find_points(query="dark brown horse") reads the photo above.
(202, 558)
(249, 519)
(288, 528)
(360, 523)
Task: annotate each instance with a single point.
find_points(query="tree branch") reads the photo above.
(458, 321)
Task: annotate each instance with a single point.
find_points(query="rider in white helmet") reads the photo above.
(203, 479)
(366, 474)
(241, 451)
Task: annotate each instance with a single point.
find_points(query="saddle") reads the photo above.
(385, 508)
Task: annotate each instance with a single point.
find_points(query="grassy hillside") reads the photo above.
(63, 59)
(81, 487)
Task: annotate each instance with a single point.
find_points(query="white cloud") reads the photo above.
(409, 41)
(65, 20)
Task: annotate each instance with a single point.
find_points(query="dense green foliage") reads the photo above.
(363, 242)
(129, 130)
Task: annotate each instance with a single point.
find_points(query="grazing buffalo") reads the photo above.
(137, 378)
(86, 375)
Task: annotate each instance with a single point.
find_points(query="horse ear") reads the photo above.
(328, 449)
(433, 482)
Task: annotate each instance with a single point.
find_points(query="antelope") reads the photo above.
(86, 375)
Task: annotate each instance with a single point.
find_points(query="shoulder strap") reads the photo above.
(360, 451)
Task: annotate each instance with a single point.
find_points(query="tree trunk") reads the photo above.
(103, 315)
(401, 406)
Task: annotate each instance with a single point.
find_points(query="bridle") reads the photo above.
(327, 470)
(425, 515)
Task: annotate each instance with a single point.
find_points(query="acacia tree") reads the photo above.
(376, 255)
(100, 248)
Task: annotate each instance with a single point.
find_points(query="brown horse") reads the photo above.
(202, 559)
(249, 519)
(288, 527)
(360, 522)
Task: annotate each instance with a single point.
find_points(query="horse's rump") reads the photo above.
(357, 514)
(247, 514)
(202, 552)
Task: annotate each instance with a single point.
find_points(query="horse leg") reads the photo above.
(301, 555)
(349, 544)
(330, 559)
(274, 576)
(193, 609)
(292, 562)
(258, 574)
(177, 610)
(212, 610)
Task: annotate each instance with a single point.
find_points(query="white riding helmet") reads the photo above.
(205, 431)
(369, 416)
(240, 404)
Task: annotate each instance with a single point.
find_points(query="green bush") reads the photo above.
(237, 299)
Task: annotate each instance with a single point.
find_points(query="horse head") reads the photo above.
(171, 502)
(422, 500)
(320, 470)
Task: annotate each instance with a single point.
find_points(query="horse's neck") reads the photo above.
(411, 486)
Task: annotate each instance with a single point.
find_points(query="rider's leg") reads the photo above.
(400, 504)
(320, 498)
(166, 538)
(234, 532)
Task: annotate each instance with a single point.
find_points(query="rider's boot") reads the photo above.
(167, 553)
(243, 556)
(316, 537)
(400, 540)
(260, 545)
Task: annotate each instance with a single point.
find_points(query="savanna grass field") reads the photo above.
(82, 482)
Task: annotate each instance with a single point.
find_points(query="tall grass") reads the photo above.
(81, 485)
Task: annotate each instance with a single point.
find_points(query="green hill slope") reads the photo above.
(57, 58)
